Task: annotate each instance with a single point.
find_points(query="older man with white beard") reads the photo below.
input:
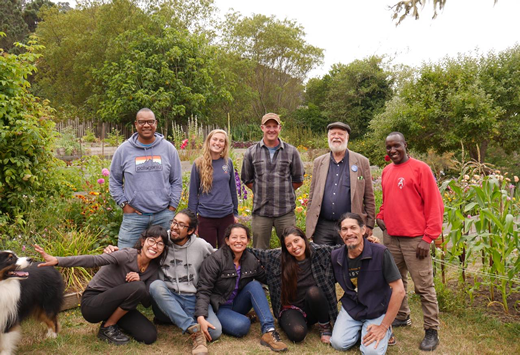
(341, 182)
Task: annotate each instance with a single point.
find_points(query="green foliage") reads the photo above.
(12, 25)
(89, 136)
(114, 138)
(482, 212)
(356, 93)
(26, 138)
(68, 141)
(72, 243)
(467, 99)
(31, 11)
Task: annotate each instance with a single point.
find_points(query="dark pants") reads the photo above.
(212, 229)
(98, 306)
(295, 325)
(326, 233)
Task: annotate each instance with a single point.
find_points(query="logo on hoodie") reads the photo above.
(148, 163)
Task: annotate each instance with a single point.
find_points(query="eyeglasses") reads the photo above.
(149, 122)
(153, 241)
(180, 225)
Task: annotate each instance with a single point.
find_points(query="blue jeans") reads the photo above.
(232, 317)
(346, 333)
(134, 224)
(180, 309)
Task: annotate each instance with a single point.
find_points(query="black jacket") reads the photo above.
(218, 277)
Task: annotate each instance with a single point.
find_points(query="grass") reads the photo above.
(465, 331)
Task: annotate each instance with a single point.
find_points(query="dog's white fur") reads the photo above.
(9, 296)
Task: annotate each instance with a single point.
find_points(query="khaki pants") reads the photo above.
(403, 250)
(262, 227)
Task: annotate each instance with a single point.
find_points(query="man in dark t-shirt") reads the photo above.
(373, 289)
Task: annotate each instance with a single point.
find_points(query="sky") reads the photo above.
(355, 29)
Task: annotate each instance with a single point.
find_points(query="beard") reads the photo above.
(338, 149)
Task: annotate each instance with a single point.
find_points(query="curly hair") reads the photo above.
(204, 163)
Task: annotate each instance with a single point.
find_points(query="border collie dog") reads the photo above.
(26, 290)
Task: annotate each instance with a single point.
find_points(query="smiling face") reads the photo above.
(153, 247)
(144, 128)
(217, 143)
(179, 229)
(237, 240)
(271, 131)
(338, 140)
(352, 234)
(396, 148)
(295, 246)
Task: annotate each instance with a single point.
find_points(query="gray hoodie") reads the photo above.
(149, 178)
(180, 270)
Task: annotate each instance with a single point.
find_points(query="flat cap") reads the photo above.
(271, 116)
(339, 125)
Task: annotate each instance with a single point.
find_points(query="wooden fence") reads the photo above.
(100, 129)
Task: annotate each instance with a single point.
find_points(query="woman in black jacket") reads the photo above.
(228, 281)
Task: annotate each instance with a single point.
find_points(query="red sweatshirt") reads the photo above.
(412, 204)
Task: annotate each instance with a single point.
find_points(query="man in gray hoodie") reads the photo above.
(145, 180)
(174, 294)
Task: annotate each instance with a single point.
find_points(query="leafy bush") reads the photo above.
(89, 136)
(114, 138)
(68, 141)
(26, 138)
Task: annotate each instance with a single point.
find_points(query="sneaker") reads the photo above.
(272, 340)
(199, 340)
(112, 334)
(402, 323)
(325, 332)
(430, 341)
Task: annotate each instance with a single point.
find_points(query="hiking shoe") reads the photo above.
(402, 323)
(272, 340)
(112, 334)
(199, 340)
(325, 332)
(430, 341)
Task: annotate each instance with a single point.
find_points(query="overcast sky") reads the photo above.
(354, 29)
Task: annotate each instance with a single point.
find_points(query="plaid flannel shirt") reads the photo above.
(322, 271)
(273, 192)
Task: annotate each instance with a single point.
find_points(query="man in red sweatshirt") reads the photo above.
(411, 218)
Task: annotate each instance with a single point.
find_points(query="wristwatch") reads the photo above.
(123, 204)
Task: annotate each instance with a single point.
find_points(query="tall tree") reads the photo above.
(30, 12)
(357, 92)
(11, 24)
(276, 59)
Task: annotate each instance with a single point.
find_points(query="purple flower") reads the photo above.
(238, 183)
(105, 172)
(101, 181)
(245, 192)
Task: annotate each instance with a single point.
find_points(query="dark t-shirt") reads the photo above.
(390, 270)
(305, 280)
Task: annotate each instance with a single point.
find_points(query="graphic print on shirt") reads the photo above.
(225, 167)
(148, 163)
(400, 182)
(353, 273)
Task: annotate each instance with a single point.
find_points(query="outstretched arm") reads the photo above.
(49, 259)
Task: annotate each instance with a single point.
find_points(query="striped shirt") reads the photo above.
(272, 179)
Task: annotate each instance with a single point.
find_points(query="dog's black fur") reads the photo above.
(38, 293)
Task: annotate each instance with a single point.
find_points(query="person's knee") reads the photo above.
(340, 342)
(215, 333)
(314, 293)
(297, 333)
(240, 327)
(369, 350)
(149, 336)
(157, 288)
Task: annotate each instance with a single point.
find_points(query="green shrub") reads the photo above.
(89, 136)
(114, 138)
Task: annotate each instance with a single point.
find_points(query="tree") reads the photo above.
(28, 166)
(468, 100)
(275, 58)
(30, 12)
(356, 93)
(410, 8)
(171, 73)
(11, 24)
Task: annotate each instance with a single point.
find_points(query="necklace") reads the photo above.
(141, 268)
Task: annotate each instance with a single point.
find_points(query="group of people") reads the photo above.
(169, 259)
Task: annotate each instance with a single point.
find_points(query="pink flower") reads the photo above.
(101, 181)
(469, 216)
(105, 172)
(23, 247)
(387, 158)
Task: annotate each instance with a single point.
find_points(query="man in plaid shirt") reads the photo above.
(273, 170)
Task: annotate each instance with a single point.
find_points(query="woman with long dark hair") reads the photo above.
(301, 284)
(213, 193)
(121, 283)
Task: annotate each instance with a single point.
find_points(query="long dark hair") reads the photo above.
(154, 232)
(289, 265)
